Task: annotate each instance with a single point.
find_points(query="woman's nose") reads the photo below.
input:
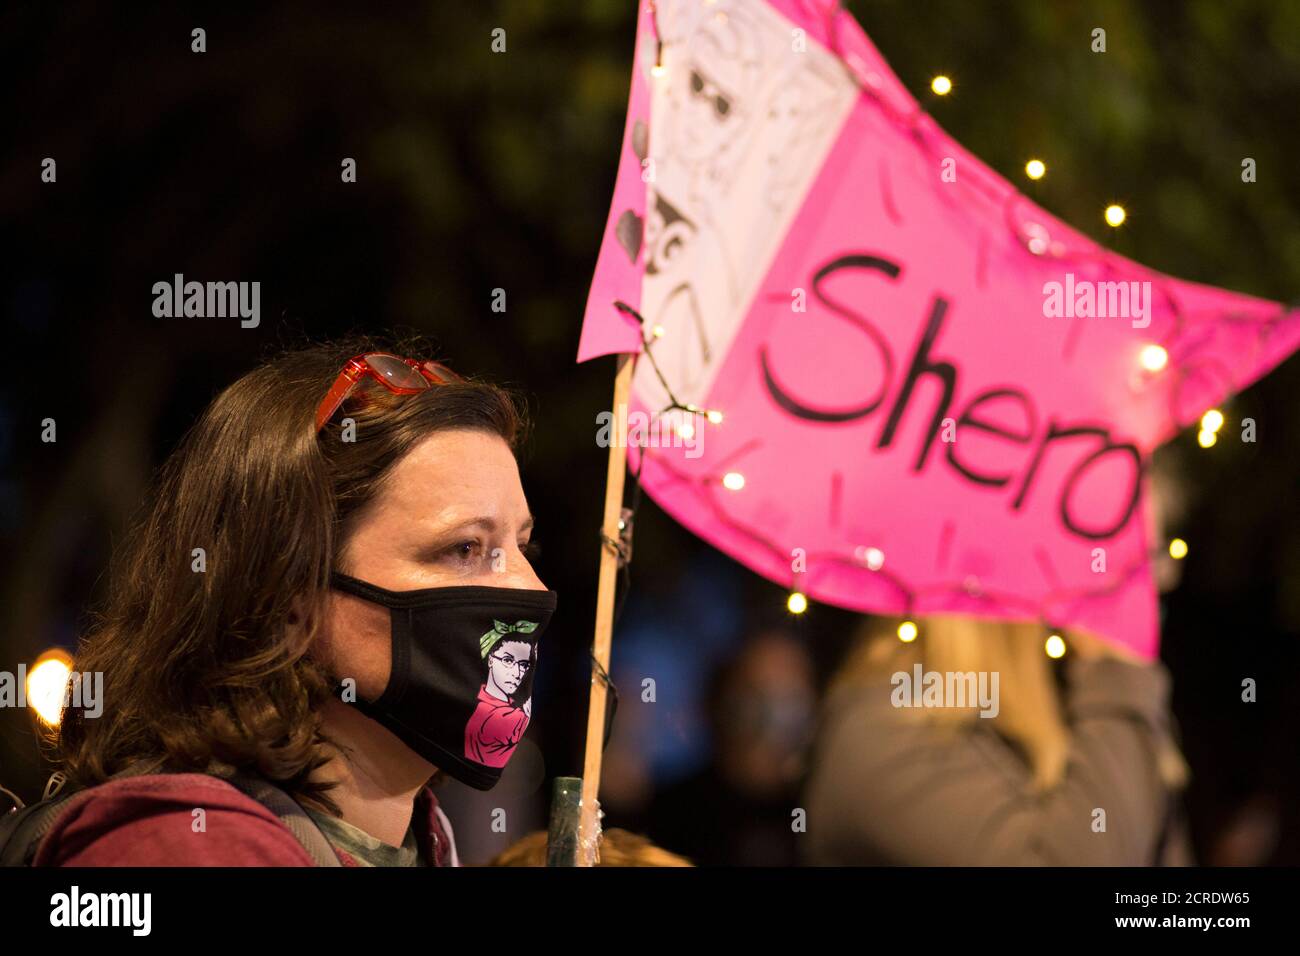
(520, 574)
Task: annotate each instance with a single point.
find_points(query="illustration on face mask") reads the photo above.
(504, 705)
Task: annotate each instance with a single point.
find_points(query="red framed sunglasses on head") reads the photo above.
(402, 376)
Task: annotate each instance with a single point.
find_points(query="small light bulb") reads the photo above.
(1206, 438)
(1055, 646)
(941, 85)
(686, 430)
(1212, 420)
(657, 331)
(796, 602)
(1153, 358)
(714, 416)
(1178, 549)
(874, 557)
(658, 70)
(907, 632)
(733, 481)
(1035, 169)
(1115, 215)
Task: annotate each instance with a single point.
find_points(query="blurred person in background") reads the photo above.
(1032, 785)
(738, 809)
(1076, 744)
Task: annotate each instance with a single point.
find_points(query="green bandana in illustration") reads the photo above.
(499, 630)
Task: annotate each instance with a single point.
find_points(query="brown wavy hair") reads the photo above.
(201, 671)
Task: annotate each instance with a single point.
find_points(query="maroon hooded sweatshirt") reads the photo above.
(148, 821)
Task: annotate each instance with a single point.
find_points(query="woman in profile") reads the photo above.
(302, 609)
(1084, 771)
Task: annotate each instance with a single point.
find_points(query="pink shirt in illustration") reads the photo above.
(494, 729)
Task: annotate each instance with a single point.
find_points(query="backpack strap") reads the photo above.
(23, 829)
(290, 814)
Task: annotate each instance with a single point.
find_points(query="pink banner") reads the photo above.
(935, 396)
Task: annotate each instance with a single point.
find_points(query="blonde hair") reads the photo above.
(1030, 713)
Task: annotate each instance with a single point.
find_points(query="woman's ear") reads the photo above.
(299, 626)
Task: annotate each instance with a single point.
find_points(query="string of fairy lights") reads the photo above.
(1152, 358)
(872, 558)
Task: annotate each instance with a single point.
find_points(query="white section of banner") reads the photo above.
(743, 114)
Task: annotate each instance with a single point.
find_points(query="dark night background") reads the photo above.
(479, 171)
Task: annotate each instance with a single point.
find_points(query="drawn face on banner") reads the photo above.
(742, 114)
(711, 95)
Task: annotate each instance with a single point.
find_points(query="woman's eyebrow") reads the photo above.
(484, 523)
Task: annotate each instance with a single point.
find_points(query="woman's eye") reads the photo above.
(464, 550)
(531, 550)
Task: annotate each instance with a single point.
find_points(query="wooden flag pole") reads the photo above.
(609, 565)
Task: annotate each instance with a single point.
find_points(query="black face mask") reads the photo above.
(461, 686)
